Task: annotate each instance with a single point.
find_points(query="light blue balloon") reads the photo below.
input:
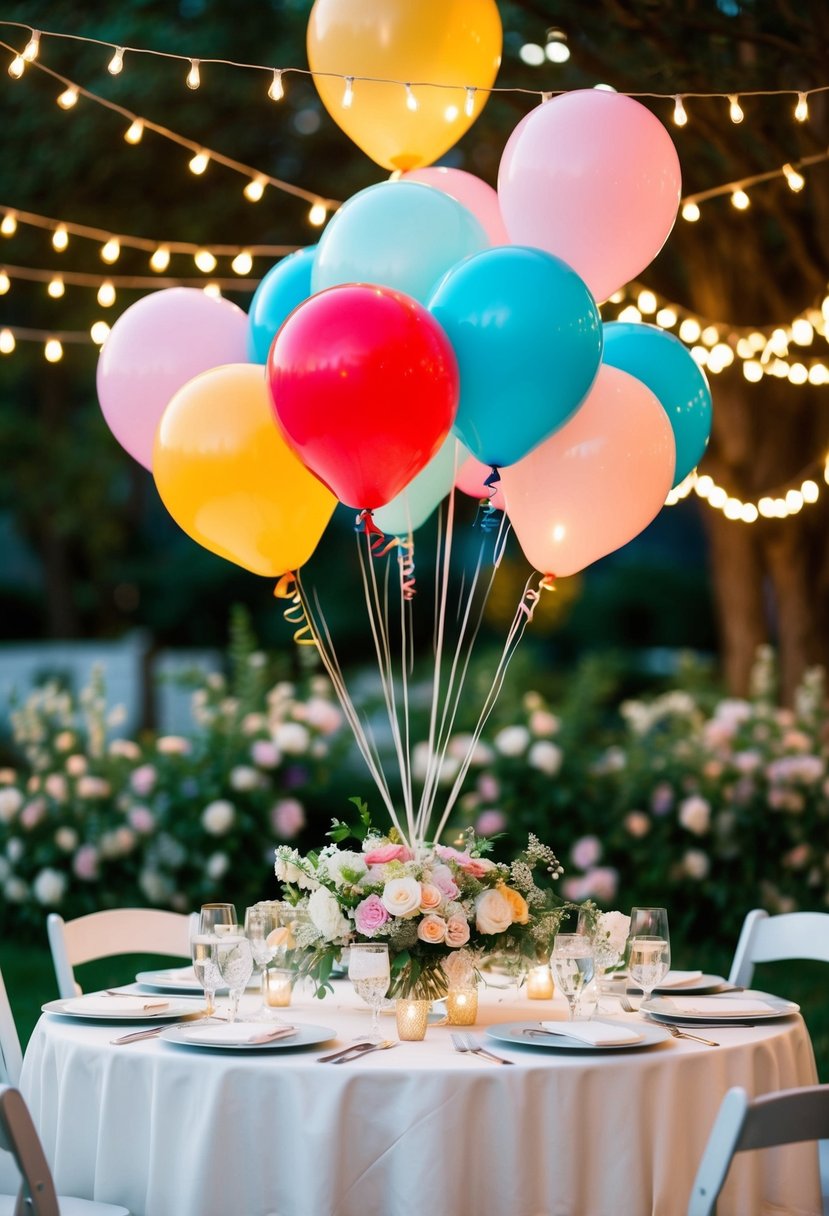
(661, 362)
(528, 339)
(285, 286)
(413, 505)
(402, 235)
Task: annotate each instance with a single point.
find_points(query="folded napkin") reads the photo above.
(716, 1006)
(115, 1004)
(676, 979)
(236, 1032)
(180, 975)
(598, 1034)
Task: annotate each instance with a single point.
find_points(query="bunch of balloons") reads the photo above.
(435, 316)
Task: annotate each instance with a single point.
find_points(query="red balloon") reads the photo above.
(365, 388)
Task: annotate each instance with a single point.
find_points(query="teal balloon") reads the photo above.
(285, 286)
(662, 363)
(402, 235)
(528, 339)
(413, 505)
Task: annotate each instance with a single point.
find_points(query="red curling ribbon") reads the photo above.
(294, 614)
(376, 538)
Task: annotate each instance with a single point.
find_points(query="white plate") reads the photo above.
(306, 1036)
(512, 1032)
(177, 1007)
(725, 1008)
(176, 979)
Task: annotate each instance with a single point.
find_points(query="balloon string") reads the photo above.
(376, 538)
(488, 518)
(294, 614)
(407, 568)
(531, 596)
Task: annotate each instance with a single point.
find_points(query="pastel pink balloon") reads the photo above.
(597, 482)
(470, 480)
(155, 347)
(477, 196)
(592, 177)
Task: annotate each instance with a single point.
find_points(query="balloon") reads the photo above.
(475, 195)
(156, 346)
(661, 362)
(528, 339)
(365, 388)
(597, 482)
(470, 480)
(414, 504)
(402, 235)
(285, 285)
(594, 178)
(229, 479)
(451, 42)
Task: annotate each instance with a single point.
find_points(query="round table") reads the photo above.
(421, 1129)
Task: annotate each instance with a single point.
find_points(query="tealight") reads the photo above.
(278, 987)
(411, 1016)
(540, 984)
(462, 1006)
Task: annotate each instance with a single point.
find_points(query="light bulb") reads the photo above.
(68, 98)
(533, 54)
(704, 485)
(733, 508)
(753, 371)
(469, 104)
(411, 100)
(317, 215)
(116, 63)
(7, 342)
(60, 238)
(160, 259)
(106, 294)
(134, 131)
(690, 330)
(666, 317)
(242, 263)
(8, 224)
(199, 163)
(630, 313)
(766, 507)
(680, 116)
(348, 93)
(646, 301)
(277, 89)
(99, 332)
(690, 212)
(723, 353)
(53, 351)
(205, 261)
(796, 181)
(213, 290)
(32, 47)
(718, 498)
(740, 200)
(735, 110)
(748, 513)
(798, 374)
(556, 48)
(254, 189)
(5, 282)
(56, 287)
(801, 110)
(193, 79)
(17, 67)
(111, 251)
(803, 331)
(710, 335)
(810, 491)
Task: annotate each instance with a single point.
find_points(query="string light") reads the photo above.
(205, 261)
(796, 181)
(7, 342)
(193, 79)
(469, 103)
(99, 332)
(129, 282)
(242, 264)
(318, 214)
(53, 351)
(770, 506)
(199, 163)
(160, 259)
(801, 110)
(134, 132)
(254, 190)
(116, 63)
(690, 212)
(17, 67)
(5, 283)
(277, 89)
(348, 93)
(411, 100)
(735, 110)
(30, 51)
(666, 318)
(111, 251)
(60, 238)
(646, 301)
(56, 287)
(106, 294)
(740, 200)
(68, 98)
(680, 115)
(8, 224)
(213, 290)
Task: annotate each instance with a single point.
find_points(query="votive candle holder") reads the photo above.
(462, 1006)
(412, 1016)
(278, 987)
(540, 983)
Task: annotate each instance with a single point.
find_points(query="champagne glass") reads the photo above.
(369, 972)
(234, 959)
(205, 964)
(572, 964)
(649, 954)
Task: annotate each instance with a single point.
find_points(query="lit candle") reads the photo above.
(278, 986)
(411, 1017)
(540, 984)
(462, 1006)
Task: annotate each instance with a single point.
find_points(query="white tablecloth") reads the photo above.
(421, 1129)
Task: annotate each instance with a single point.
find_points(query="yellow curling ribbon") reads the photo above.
(294, 614)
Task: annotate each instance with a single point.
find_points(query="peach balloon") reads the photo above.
(477, 196)
(470, 480)
(597, 482)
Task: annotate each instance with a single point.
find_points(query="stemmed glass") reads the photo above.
(370, 973)
(649, 954)
(212, 915)
(261, 922)
(234, 959)
(606, 954)
(572, 964)
(203, 949)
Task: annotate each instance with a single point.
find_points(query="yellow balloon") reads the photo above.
(228, 478)
(452, 42)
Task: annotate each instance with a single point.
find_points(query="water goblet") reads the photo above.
(649, 948)
(572, 964)
(607, 952)
(262, 923)
(205, 965)
(370, 973)
(212, 915)
(234, 959)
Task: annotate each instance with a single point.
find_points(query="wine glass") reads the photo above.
(261, 922)
(369, 972)
(606, 953)
(212, 915)
(205, 964)
(234, 959)
(572, 964)
(649, 952)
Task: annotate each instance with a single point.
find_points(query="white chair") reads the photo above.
(771, 939)
(116, 931)
(11, 1056)
(788, 1117)
(37, 1190)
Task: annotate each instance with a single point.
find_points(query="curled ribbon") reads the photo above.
(487, 517)
(407, 568)
(376, 539)
(294, 614)
(531, 596)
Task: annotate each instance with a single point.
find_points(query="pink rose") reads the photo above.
(32, 813)
(265, 753)
(432, 929)
(387, 852)
(478, 866)
(287, 817)
(85, 863)
(141, 819)
(143, 780)
(449, 854)
(370, 915)
(431, 897)
(586, 852)
(457, 931)
(444, 880)
(490, 822)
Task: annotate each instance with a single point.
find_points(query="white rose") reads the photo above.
(49, 887)
(493, 913)
(345, 867)
(66, 839)
(217, 817)
(614, 926)
(546, 757)
(173, 745)
(326, 915)
(695, 814)
(15, 849)
(243, 778)
(292, 738)
(512, 740)
(217, 864)
(16, 891)
(696, 864)
(11, 800)
(401, 896)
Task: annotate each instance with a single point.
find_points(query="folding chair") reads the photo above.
(771, 939)
(116, 931)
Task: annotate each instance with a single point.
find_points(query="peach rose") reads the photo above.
(517, 903)
(457, 931)
(386, 852)
(493, 913)
(477, 866)
(431, 897)
(432, 929)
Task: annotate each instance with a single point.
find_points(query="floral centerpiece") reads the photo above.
(427, 904)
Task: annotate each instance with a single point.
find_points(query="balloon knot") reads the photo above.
(375, 536)
(492, 480)
(548, 583)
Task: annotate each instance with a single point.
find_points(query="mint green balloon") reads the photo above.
(413, 505)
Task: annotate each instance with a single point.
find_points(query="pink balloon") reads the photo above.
(470, 480)
(592, 177)
(476, 196)
(155, 347)
(597, 482)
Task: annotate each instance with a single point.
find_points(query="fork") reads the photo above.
(465, 1042)
(683, 1034)
(384, 1046)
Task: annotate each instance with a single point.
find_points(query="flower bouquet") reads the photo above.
(427, 904)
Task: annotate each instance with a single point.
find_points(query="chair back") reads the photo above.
(788, 1117)
(18, 1136)
(113, 932)
(771, 939)
(10, 1051)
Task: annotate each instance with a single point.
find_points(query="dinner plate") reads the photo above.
(703, 984)
(736, 1007)
(125, 1009)
(194, 1036)
(179, 979)
(512, 1032)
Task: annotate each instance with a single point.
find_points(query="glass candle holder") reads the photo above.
(277, 987)
(540, 984)
(411, 1017)
(462, 1006)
